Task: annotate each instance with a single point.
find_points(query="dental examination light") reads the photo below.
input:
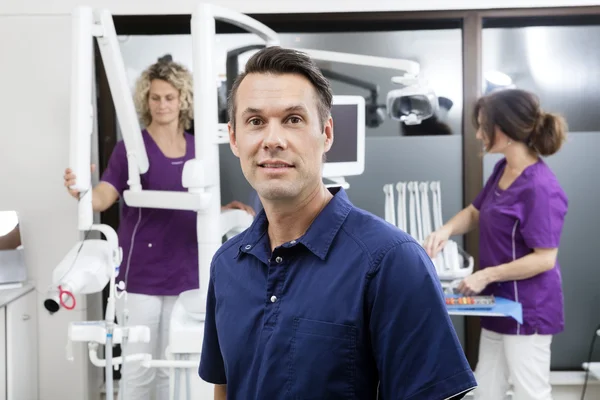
(411, 104)
(496, 80)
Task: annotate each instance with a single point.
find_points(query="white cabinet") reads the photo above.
(2, 353)
(18, 348)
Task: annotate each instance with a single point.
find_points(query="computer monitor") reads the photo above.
(347, 154)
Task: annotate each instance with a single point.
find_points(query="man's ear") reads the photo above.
(233, 140)
(328, 132)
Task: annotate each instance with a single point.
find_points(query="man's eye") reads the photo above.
(255, 121)
(295, 120)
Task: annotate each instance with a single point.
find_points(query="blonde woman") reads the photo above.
(160, 252)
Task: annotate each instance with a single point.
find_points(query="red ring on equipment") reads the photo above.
(70, 295)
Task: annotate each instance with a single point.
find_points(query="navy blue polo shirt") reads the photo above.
(351, 307)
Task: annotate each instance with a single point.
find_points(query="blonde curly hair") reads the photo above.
(177, 75)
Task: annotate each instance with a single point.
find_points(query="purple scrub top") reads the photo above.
(529, 214)
(161, 246)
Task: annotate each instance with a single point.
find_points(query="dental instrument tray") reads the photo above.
(470, 302)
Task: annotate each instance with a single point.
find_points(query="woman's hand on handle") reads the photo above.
(70, 180)
(435, 242)
(104, 195)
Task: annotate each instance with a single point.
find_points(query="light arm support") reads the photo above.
(241, 21)
(232, 62)
(409, 69)
(121, 95)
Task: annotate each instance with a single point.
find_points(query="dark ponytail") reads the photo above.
(549, 134)
(518, 115)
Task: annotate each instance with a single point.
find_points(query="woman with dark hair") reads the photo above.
(520, 214)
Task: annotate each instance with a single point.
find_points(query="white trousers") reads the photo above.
(138, 382)
(523, 360)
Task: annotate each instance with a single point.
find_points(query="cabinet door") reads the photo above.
(2, 353)
(21, 348)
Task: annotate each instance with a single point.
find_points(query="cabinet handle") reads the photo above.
(26, 317)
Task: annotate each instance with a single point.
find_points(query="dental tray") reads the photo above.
(462, 302)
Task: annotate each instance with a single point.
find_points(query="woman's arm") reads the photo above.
(463, 222)
(541, 260)
(104, 195)
(220, 392)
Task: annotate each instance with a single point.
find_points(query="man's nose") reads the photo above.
(274, 137)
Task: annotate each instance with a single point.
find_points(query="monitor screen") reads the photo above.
(347, 154)
(345, 132)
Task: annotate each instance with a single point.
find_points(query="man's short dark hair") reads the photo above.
(278, 60)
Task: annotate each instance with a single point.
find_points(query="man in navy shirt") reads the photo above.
(317, 299)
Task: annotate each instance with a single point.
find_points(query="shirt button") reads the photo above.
(278, 260)
(248, 247)
(149, 244)
(293, 242)
(273, 299)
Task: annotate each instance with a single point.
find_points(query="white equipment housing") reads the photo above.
(452, 263)
(92, 264)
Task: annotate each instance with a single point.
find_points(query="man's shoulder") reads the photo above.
(373, 233)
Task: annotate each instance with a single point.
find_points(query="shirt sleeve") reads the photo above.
(544, 211)
(489, 185)
(116, 173)
(417, 352)
(212, 367)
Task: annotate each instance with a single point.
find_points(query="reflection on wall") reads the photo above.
(561, 64)
(439, 53)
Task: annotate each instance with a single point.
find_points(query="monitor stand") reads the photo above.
(337, 182)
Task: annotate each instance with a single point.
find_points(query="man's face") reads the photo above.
(278, 136)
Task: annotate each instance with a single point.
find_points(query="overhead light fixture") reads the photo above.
(496, 80)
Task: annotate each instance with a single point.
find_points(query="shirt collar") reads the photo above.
(320, 234)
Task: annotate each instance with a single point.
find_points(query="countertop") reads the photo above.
(10, 295)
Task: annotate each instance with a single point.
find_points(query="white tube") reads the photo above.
(389, 204)
(85, 211)
(425, 212)
(81, 112)
(146, 360)
(402, 223)
(170, 363)
(121, 94)
(207, 151)
(98, 362)
(418, 212)
(412, 212)
(108, 368)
